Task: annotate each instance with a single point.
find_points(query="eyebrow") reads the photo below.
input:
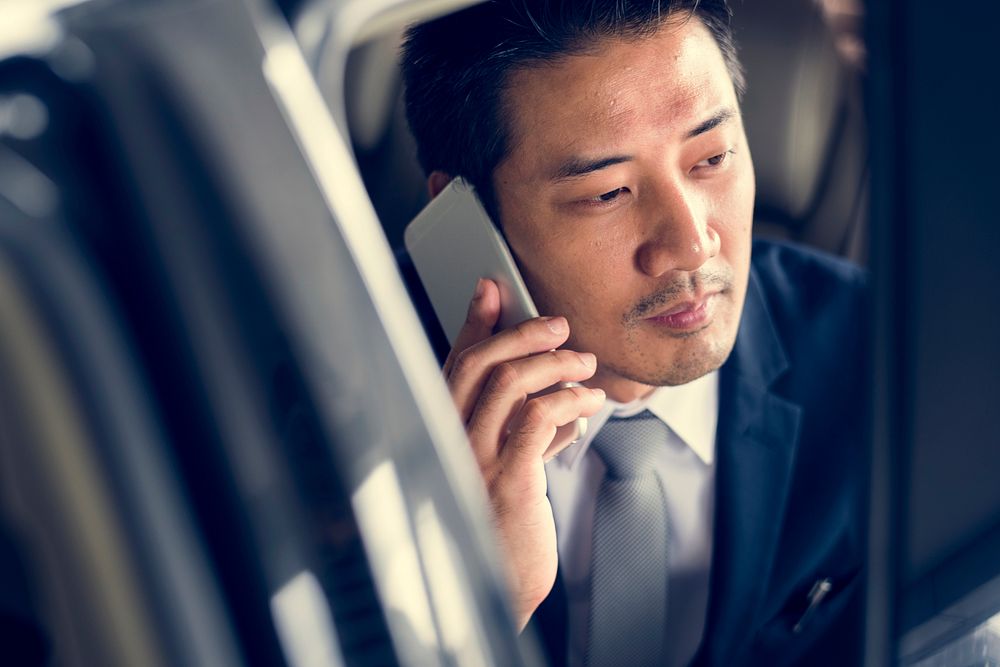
(718, 119)
(576, 167)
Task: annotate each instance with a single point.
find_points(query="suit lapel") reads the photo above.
(755, 449)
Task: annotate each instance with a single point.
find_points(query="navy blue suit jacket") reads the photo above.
(792, 462)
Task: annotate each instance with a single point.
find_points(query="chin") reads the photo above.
(678, 364)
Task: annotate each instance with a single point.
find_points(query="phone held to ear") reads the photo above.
(453, 243)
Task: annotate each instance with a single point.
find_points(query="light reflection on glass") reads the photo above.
(22, 117)
(978, 648)
(25, 186)
(304, 625)
(994, 624)
(455, 610)
(381, 512)
(27, 27)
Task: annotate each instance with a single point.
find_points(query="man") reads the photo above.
(605, 139)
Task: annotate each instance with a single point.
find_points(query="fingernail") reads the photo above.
(599, 393)
(588, 359)
(480, 288)
(557, 325)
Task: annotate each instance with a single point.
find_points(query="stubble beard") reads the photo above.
(696, 353)
(693, 359)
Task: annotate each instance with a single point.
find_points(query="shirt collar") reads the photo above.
(690, 410)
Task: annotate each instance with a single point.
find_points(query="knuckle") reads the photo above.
(494, 481)
(505, 377)
(537, 413)
(492, 475)
(465, 361)
(478, 435)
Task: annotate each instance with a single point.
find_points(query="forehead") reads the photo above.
(620, 88)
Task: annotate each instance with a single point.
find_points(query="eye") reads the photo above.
(607, 196)
(715, 161)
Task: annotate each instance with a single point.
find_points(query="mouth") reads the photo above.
(687, 316)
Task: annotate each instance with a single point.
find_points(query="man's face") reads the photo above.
(627, 197)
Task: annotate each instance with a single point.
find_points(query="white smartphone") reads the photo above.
(453, 243)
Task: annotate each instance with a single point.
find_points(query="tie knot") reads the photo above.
(628, 445)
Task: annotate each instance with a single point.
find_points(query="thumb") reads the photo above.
(481, 318)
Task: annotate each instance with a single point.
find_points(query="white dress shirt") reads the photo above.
(686, 466)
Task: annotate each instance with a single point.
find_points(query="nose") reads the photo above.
(681, 236)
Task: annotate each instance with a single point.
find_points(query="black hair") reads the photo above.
(456, 68)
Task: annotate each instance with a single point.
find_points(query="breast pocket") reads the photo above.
(817, 625)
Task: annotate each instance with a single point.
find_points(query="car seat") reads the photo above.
(802, 112)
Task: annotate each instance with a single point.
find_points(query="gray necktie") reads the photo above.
(628, 599)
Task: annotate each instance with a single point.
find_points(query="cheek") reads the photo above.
(732, 211)
(573, 273)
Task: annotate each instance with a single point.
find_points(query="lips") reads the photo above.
(686, 316)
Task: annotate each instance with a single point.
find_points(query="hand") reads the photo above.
(493, 380)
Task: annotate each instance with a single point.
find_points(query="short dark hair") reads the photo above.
(456, 68)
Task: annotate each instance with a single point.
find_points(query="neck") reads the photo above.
(618, 388)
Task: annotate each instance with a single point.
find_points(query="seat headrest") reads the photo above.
(795, 87)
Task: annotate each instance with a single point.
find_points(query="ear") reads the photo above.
(436, 182)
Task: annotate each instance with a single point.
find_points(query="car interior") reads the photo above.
(204, 302)
(802, 110)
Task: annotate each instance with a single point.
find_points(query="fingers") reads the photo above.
(534, 426)
(509, 385)
(566, 435)
(472, 367)
(491, 378)
(482, 316)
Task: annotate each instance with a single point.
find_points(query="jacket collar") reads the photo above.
(757, 434)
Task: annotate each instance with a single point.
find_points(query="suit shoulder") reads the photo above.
(803, 285)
